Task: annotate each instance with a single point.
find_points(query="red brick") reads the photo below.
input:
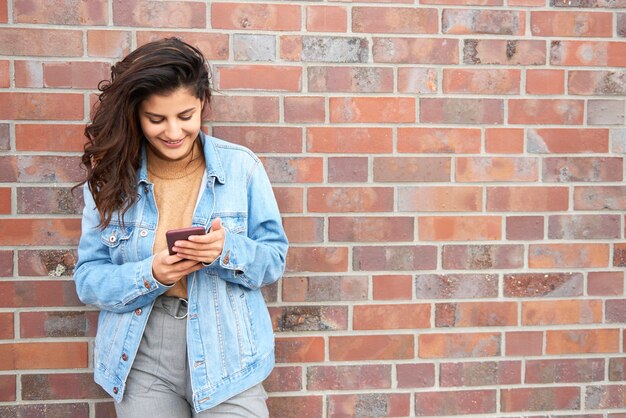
(48, 200)
(58, 324)
(284, 379)
(5, 140)
(370, 229)
(372, 109)
(53, 263)
(596, 83)
(617, 369)
(440, 199)
(259, 77)
(459, 228)
(5, 76)
(66, 410)
(263, 139)
(459, 345)
(416, 50)
(492, 81)
(584, 226)
(296, 406)
(60, 386)
(571, 23)
(31, 293)
(371, 258)
(524, 228)
(473, 21)
(214, 46)
(481, 257)
(546, 111)
(606, 397)
(78, 75)
(475, 314)
(6, 327)
(600, 198)
(321, 259)
(489, 169)
(568, 141)
(350, 79)
(396, 316)
(615, 311)
(40, 355)
(90, 12)
(482, 373)
(523, 199)
(8, 169)
(243, 109)
(543, 285)
(561, 312)
(8, 388)
(5, 200)
(40, 231)
(588, 53)
(294, 169)
(274, 17)
(568, 255)
(289, 199)
(394, 20)
(582, 341)
(349, 140)
(417, 80)
(304, 109)
(464, 2)
(504, 52)
(151, 14)
(108, 43)
(309, 318)
(40, 169)
(291, 48)
(411, 169)
(6, 263)
(392, 287)
(326, 19)
(439, 140)
(461, 403)
(456, 286)
(304, 229)
(324, 288)
(420, 375)
(371, 347)
(524, 343)
(376, 404)
(527, 3)
(542, 81)
(504, 140)
(349, 377)
(350, 199)
(4, 11)
(540, 399)
(299, 349)
(28, 73)
(570, 169)
(49, 137)
(605, 283)
(463, 111)
(40, 43)
(41, 106)
(348, 169)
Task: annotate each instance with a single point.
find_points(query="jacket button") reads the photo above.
(124, 357)
(115, 390)
(146, 284)
(143, 233)
(227, 257)
(138, 311)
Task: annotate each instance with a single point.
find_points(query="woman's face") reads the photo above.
(171, 123)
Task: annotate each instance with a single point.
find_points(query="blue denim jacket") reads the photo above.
(230, 343)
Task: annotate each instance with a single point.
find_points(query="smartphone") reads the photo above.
(179, 234)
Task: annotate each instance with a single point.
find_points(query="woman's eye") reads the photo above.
(185, 117)
(156, 122)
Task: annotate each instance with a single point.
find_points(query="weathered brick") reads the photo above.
(326, 19)
(8, 169)
(254, 47)
(350, 199)
(349, 377)
(621, 23)
(504, 52)
(463, 345)
(90, 12)
(482, 373)
(481, 257)
(243, 109)
(577, 23)
(605, 397)
(615, 311)
(568, 255)
(546, 111)
(296, 406)
(561, 312)
(540, 399)
(53, 263)
(600, 198)
(299, 349)
(573, 169)
(419, 375)
(545, 81)
(396, 316)
(370, 229)
(605, 83)
(588, 53)
(263, 139)
(322, 259)
(294, 169)
(392, 287)
(58, 324)
(490, 169)
(475, 314)
(617, 369)
(524, 343)
(304, 109)
(259, 77)
(543, 285)
(372, 258)
(60, 386)
(41, 43)
(523, 199)
(349, 140)
(40, 231)
(584, 226)
(504, 140)
(43, 355)
(334, 49)
(309, 318)
(49, 169)
(394, 20)
(372, 109)
(417, 80)
(49, 137)
(439, 140)
(65, 410)
(605, 283)
(284, 379)
(460, 403)
(481, 81)
(371, 347)
(348, 169)
(605, 112)
(350, 79)
(324, 288)
(7, 331)
(46, 200)
(248, 16)
(459, 228)
(582, 341)
(476, 21)
(456, 286)
(524, 228)
(151, 14)
(108, 43)
(28, 73)
(214, 46)
(588, 3)
(376, 404)
(464, 2)
(461, 111)
(412, 169)
(5, 140)
(439, 199)
(8, 389)
(304, 229)
(41, 106)
(30, 293)
(416, 50)
(567, 140)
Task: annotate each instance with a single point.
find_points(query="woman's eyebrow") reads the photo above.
(160, 116)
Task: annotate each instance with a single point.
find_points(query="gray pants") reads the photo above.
(159, 384)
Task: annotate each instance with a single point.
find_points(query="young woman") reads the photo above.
(186, 334)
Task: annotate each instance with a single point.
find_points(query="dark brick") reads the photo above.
(80, 410)
(564, 371)
(542, 285)
(309, 318)
(60, 386)
(58, 324)
(49, 200)
(53, 263)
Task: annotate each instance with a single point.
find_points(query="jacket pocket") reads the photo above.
(234, 222)
(117, 239)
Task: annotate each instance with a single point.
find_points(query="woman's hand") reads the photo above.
(203, 248)
(168, 269)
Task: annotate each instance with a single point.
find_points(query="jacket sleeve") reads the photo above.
(257, 259)
(108, 286)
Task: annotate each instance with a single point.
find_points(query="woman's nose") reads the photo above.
(173, 130)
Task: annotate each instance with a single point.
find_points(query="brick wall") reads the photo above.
(450, 175)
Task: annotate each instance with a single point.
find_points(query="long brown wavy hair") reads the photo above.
(112, 153)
